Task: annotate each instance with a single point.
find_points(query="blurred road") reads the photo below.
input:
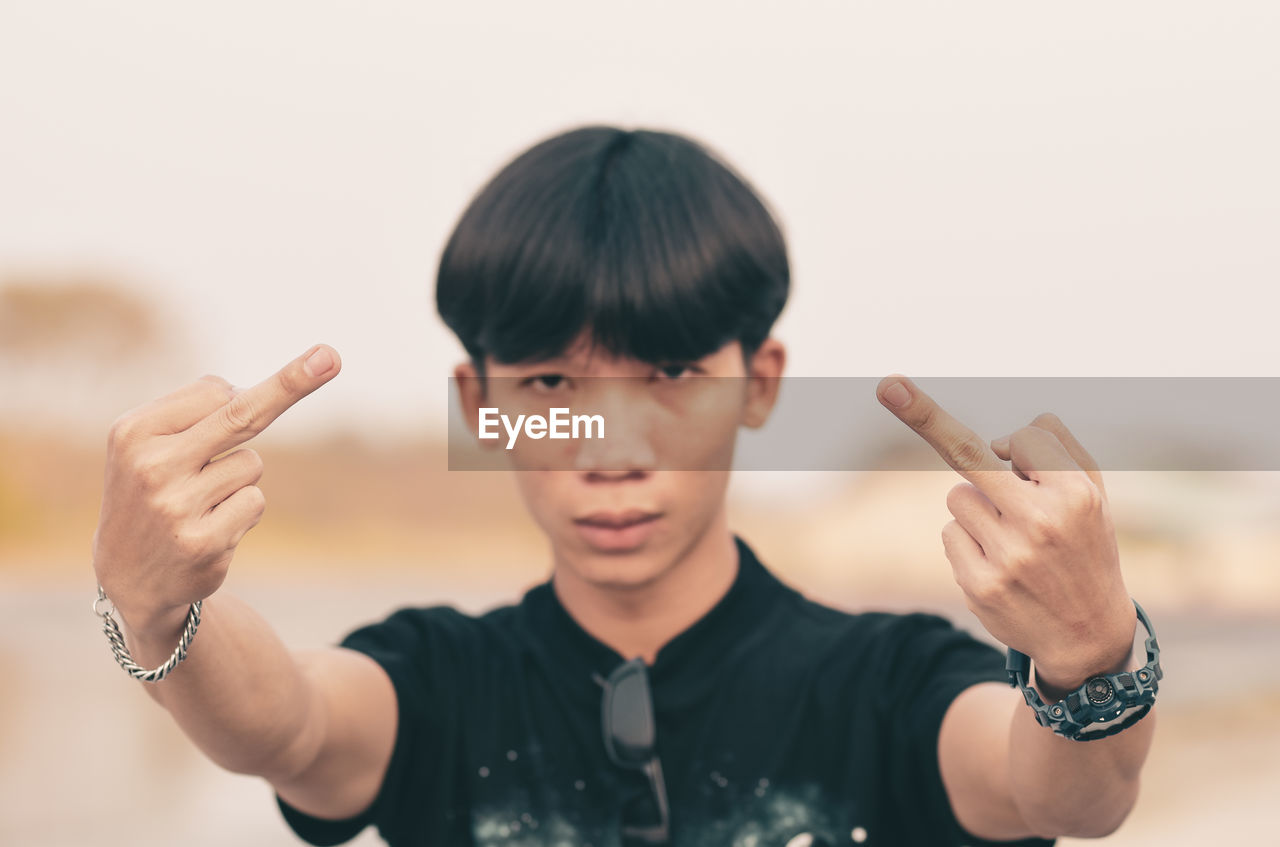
(86, 757)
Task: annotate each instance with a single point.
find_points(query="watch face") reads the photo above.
(1099, 691)
(1098, 728)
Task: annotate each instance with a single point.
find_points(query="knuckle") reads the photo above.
(289, 382)
(926, 417)
(952, 533)
(125, 430)
(190, 543)
(1042, 527)
(167, 509)
(1047, 420)
(958, 495)
(255, 504)
(214, 394)
(986, 591)
(150, 470)
(215, 380)
(1042, 433)
(253, 462)
(1081, 494)
(1017, 558)
(238, 415)
(1015, 572)
(1021, 438)
(968, 454)
(255, 500)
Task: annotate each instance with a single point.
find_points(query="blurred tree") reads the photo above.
(92, 318)
(77, 350)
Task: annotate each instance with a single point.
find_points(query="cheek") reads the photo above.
(537, 489)
(697, 495)
(703, 435)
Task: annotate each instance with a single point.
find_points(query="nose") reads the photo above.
(628, 445)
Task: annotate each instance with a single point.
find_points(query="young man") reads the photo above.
(663, 686)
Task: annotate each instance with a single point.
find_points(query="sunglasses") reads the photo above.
(627, 717)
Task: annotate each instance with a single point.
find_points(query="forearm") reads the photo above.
(1079, 788)
(239, 695)
(179, 494)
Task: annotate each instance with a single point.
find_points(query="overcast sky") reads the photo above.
(991, 189)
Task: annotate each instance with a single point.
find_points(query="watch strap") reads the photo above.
(1104, 704)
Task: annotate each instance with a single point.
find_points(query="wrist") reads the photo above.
(1053, 686)
(1088, 700)
(1057, 680)
(151, 624)
(144, 645)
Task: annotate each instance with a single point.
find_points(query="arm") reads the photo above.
(1008, 777)
(320, 726)
(1035, 553)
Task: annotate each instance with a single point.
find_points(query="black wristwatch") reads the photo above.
(1105, 704)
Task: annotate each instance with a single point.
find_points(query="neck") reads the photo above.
(637, 620)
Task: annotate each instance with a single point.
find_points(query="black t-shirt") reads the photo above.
(776, 716)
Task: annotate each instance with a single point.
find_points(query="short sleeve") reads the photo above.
(929, 663)
(411, 647)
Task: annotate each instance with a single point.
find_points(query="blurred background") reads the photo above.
(995, 189)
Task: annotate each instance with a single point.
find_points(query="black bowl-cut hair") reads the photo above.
(643, 240)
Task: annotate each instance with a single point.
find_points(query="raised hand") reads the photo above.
(173, 509)
(1035, 554)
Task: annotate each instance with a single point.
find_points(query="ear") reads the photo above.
(471, 394)
(764, 379)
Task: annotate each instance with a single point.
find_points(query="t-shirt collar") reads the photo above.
(683, 667)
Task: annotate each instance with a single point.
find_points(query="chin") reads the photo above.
(612, 569)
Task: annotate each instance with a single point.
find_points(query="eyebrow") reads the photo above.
(563, 361)
(556, 364)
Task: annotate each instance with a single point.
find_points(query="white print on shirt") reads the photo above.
(777, 818)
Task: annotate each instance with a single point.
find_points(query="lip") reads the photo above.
(612, 531)
(617, 520)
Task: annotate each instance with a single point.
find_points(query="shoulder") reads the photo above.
(441, 628)
(869, 629)
(412, 623)
(893, 652)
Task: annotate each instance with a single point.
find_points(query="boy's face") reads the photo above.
(621, 510)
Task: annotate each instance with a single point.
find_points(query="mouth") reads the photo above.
(617, 520)
(617, 532)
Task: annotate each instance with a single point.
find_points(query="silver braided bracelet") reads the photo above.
(105, 609)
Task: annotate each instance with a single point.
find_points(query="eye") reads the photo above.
(677, 370)
(545, 383)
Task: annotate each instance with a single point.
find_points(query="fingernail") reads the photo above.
(318, 363)
(897, 394)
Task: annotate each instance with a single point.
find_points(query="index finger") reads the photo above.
(251, 411)
(959, 446)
